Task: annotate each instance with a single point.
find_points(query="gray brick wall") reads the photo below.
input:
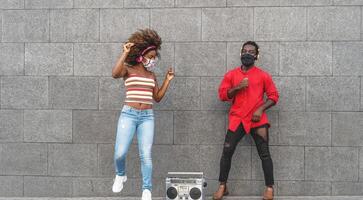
(59, 105)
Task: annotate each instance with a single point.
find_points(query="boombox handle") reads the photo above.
(185, 174)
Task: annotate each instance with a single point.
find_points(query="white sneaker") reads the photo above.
(118, 185)
(146, 195)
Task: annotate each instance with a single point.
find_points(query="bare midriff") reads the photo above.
(139, 106)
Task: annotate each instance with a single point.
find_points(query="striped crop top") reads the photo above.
(139, 89)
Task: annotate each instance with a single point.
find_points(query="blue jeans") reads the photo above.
(130, 121)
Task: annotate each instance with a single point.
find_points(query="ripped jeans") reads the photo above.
(142, 122)
(260, 136)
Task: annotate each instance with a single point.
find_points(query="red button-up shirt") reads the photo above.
(247, 100)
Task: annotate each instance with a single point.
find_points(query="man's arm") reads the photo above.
(233, 91)
(272, 98)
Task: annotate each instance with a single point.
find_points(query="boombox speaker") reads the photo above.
(185, 186)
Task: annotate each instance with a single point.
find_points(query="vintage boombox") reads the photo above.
(185, 186)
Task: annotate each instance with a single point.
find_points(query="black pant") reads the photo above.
(230, 144)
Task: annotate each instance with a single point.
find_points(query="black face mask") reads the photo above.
(247, 60)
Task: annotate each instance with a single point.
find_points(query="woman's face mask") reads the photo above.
(150, 64)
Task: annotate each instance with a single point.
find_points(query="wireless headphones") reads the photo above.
(139, 59)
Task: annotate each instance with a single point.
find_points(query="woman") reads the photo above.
(135, 66)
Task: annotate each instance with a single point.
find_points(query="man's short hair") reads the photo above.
(253, 44)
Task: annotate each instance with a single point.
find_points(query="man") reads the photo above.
(245, 87)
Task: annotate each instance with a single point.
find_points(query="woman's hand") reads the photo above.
(127, 47)
(170, 74)
(119, 70)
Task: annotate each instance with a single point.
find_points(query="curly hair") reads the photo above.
(142, 39)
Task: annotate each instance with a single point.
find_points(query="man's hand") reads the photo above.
(243, 84)
(256, 117)
(233, 91)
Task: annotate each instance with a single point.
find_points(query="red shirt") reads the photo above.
(247, 100)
